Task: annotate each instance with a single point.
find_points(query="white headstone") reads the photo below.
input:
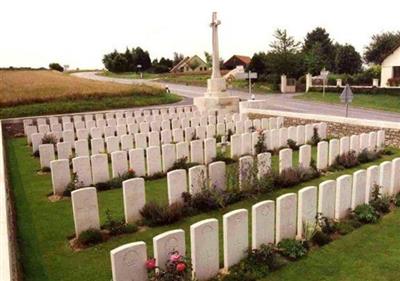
(128, 262)
(82, 148)
(305, 156)
(245, 172)
(166, 243)
(168, 156)
(235, 246)
(333, 151)
(307, 211)
(81, 166)
(153, 157)
(355, 144)
(372, 180)
(196, 152)
(197, 178)
(137, 161)
(134, 199)
(46, 152)
(385, 175)
(263, 223)
(126, 142)
(236, 146)
(301, 135)
(60, 175)
(119, 163)
(285, 159)
(204, 256)
(359, 188)
(327, 198)
(177, 184)
(263, 164)
(97, 146)
(210, 150)
(395, 177)
(343, 196)
(85, 209)
(217, 175)
(286, 217)
(182, 150)
(100, 169)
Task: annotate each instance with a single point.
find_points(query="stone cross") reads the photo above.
(215, 55)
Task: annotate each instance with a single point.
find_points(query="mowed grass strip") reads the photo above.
(379, 101)
(43, 226)
(30, 93)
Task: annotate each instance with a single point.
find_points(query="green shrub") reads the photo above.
(344, 227)
(74, 184)
(397, 200)
(116, 227)
(266, 255)
(293, 176)
(115, 182)
(260, 146)
(366, 214)
(49, 139)
(157, 215)
(36, 154)
(292, 145)
(90, 237)
(315, 139)
(366, 156)
(221, 157)
(346, 160)
(46, 170)
(182, 163)
(320, 238)
(292, 249)
(325, 224)
(381, 203)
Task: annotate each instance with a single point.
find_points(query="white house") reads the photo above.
(390, 67)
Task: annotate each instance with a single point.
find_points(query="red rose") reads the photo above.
(180, 267)
(151, 264)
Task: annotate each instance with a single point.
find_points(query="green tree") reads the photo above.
(381, 46)
(347, 60)
(319, 51)
(208, 57)
(56, 66)
(177, 58)
(258, 63)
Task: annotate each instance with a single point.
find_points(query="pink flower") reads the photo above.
(180, 267)
(175, 257)
(151, 264)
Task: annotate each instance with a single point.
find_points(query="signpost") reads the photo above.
(347, 97)
(324, 74)
(247, 75)
(139, 67)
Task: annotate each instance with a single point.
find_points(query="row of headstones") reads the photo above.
(116, 128)
(242, 144)
(124, 142)
(271, 222)
(175, 112)
(149, 161)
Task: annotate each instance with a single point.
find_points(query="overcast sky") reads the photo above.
(79, 32)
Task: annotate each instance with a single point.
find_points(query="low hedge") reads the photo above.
(359, 90)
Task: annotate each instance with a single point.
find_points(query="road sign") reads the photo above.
(347, 95)
(246, 75)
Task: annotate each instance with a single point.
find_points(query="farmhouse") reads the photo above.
(237, 60)
(390, 76)
(190, 64)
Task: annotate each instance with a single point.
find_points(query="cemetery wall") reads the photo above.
(8, 261)
(336, 126)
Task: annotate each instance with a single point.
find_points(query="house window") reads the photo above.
(396, 71)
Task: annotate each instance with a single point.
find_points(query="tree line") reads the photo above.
(318, 51)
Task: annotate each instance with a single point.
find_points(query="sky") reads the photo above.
(78, 33)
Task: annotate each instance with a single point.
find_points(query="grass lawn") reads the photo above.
(28, 93)
(43, 227)
(195, 79)
(379, 101)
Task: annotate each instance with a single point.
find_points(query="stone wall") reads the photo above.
(338, 130)
(9, 267)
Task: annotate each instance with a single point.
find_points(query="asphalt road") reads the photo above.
(284, 102)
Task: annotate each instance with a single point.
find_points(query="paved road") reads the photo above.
(284, 102)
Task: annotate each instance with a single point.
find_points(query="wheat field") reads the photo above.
(25, 87)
